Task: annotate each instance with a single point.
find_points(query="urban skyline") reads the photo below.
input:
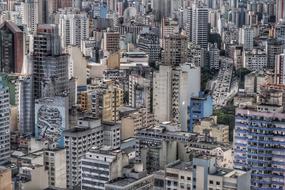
(142, 95)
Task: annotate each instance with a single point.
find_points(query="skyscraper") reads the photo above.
(4, 125)
(50, 66)
(11, 48)
(200, 25)
(26, 105)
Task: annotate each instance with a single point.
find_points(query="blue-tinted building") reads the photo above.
(200, 107)
(259, 146)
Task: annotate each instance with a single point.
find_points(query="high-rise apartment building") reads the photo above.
(199, 34)
(50, 66)
(175, 49)
(149, 43)
(162, 93)
(112, 100)
(246, 37)
(73, 27)
(259, 139)
(214, 57)
(78, 141)
(11, 48)
(30, 14)
(4, 125)
(111, 41)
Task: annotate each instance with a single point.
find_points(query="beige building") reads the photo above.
(5, 179)
(135, 121)
(201, 174)
(55, 164)
(209, 126)
(112, 100)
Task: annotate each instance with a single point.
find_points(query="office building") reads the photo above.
(4, 125)
(26, 105)
(51, 119)
(12, 48)
(202, 173)
(78, 141)
(174, 49)
(200, 27)
(50, 66)
(200, 107)
(55, 164)
(101, 165)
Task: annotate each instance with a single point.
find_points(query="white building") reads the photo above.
(101, 165)
(73, 27)
(200, 27)
(29, 11)
(185, 84)
(162, 93)
(246, 35)
(78, 141)
(4, 125)
(255, 60)
(55, 164)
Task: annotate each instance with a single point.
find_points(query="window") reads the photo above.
(189, 178)
(218, 183)
(182, 177)
(211, 182)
